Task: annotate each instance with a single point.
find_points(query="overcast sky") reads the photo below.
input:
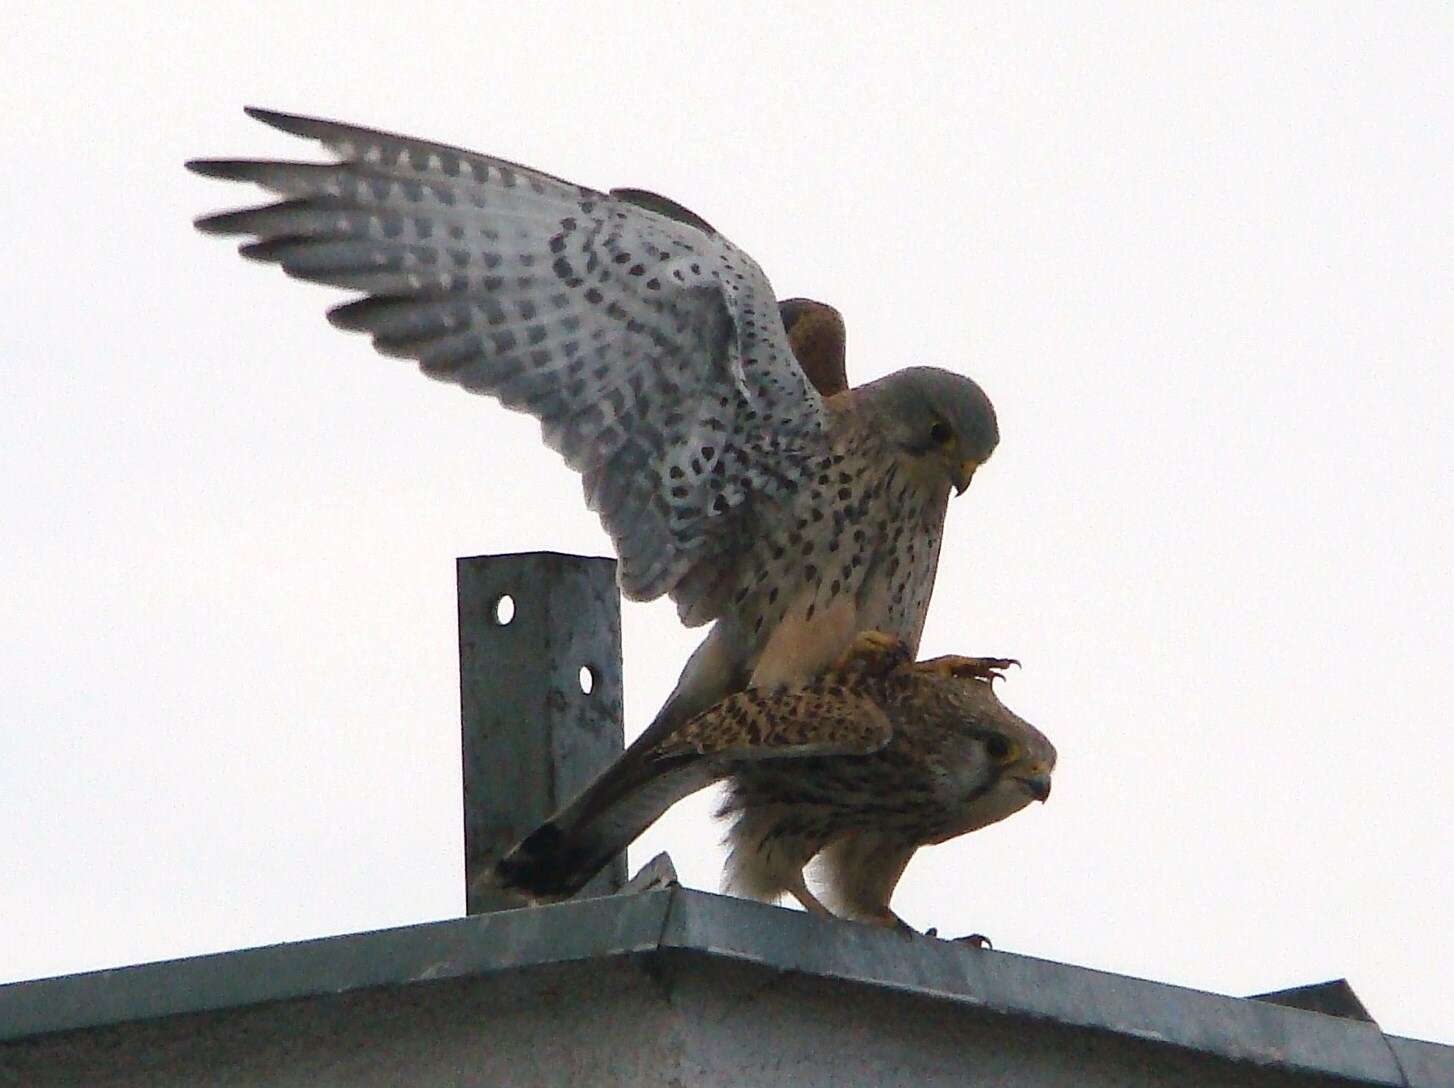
(1201, 263)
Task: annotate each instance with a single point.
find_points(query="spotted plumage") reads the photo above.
(760, 493)
(873, 759)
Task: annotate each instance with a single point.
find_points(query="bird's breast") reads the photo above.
(854, 549)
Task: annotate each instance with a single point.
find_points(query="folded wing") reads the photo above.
(826, 718)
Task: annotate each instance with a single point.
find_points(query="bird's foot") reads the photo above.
(874, 652)
(968, 668)
(886, 919)
(892, 921)
(978, 940)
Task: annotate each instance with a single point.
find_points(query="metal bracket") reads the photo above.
(536, 630)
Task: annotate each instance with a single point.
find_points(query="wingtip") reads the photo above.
(254, 170)
(288, 122)
(212, 168)
(351, 316)
(297, 124)
(224, 222)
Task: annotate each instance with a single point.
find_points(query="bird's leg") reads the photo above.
(976, 668)
(798, 889)
(887, 919)
(873, 652)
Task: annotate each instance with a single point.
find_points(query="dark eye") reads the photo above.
(999, 748)
(941, 433)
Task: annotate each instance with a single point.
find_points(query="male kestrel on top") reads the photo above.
(653, 352)
(875, 758)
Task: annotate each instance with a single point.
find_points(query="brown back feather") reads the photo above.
(819, 339)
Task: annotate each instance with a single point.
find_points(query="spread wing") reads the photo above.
(649, 347)
(827, 718)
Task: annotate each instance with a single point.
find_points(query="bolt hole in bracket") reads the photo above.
(504, 610)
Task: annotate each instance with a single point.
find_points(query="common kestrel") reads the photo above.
(656, 358)
(875, 758)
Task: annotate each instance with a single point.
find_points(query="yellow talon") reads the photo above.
(976, 668)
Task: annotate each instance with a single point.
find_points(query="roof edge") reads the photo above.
(681, 920)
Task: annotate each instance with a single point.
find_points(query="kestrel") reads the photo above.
(861, 767)
(789, 515)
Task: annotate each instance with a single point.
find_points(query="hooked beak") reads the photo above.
(1037, 782)
(962, 474)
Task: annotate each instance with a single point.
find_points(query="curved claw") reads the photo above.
(969, 668)
(978, 940)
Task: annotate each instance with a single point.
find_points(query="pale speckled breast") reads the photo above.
(855, 548)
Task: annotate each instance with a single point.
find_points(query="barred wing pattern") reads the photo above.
(829, 717)
(649, 347)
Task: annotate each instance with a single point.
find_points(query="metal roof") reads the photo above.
(712, 928)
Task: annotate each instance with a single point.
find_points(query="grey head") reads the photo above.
(939, 419)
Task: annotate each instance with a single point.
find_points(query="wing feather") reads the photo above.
(826, 718)
(648, 346)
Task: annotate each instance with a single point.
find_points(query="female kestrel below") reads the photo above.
(861, 767)
(653, 352)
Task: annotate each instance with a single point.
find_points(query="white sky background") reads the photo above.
(1202, 264)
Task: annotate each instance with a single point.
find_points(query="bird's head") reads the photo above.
(941, 422)
(1021, 760)
(1006, 762)
(1017, 761)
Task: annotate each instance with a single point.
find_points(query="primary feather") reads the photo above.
(648, 346)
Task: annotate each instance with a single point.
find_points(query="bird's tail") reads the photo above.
(558, 858)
